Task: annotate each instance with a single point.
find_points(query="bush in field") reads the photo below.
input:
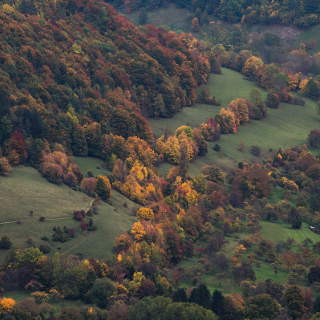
(5, 167)
(273, 100)
(88, 186)
(5, 243)
(255, 151)
(58, 168)
(314, 139)
(103, 188)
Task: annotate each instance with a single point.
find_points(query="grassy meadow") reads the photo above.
(284, 127)
(26, 190)
(224, 281)
(280, 232)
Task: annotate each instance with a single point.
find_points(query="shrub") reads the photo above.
(103, 188)
(273, 100)
(314, 139)
(217, 147)
(255, 151)
(44, 249)
(5, 167)
(101, 292)
(5, 243)
(88, 186)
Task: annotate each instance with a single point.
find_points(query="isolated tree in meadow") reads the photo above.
(258, 110)
(227, 120)
(240, 107)
(215, 64)
(5, 167)
(88, 186)
(252, 67)
(295, 218)
(273, 100)
(314, 139)
(5, 243)
(195, 25)
(103, 188)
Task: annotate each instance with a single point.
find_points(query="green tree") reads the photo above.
(262, 306)
(5, 243)
(101, 292)
(149, 308)
(294, 302)
(103, 188)
(201, 296)
(180, 295)
(217, 304)
(187, 311)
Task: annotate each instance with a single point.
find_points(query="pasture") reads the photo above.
(280, 232)
(25, 190)
(282, 128)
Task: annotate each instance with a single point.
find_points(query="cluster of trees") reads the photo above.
(71, 85)
(302, 13)
(280, 82)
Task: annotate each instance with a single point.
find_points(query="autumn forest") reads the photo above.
(159, 160)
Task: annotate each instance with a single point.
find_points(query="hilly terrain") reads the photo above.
(165, 170)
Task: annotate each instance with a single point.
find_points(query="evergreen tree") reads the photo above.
(294, 302)
(79, 143)
(180, 295)
(217, 304)
(295, 219)
(201, 296)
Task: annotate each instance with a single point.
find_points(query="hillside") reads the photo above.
(147, 174)
(43, 206)
(302, 13)
(80, 70)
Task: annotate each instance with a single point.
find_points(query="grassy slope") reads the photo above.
(284, 127)
(280, 232)
(172, 18)
(27, 190)
(311, 34)
(270, 231)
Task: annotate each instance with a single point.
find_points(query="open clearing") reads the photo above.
(283, 128)
(280, 232)
(25, 190)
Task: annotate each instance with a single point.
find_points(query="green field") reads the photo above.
(171, 18)
(280, 232)
(284, 127)
(265, 271)
(25, 190)
(94, 165)
(311, 34)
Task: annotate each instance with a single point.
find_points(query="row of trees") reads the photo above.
(303, 13)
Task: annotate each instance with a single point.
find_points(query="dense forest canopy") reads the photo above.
(80, 66)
